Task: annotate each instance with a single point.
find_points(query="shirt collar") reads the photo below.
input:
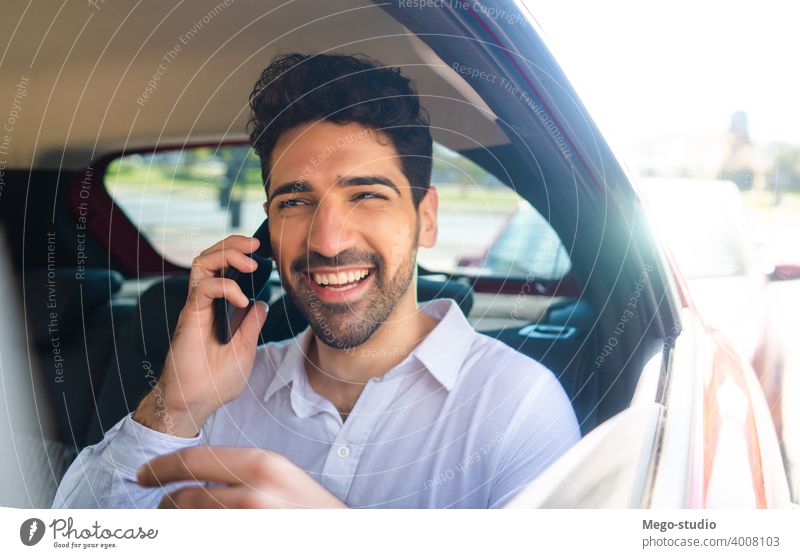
(442, 352)
(293, 362)
(444, 349)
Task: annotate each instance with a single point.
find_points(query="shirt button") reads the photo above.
(343, 451)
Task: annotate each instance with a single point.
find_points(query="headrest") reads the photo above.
(57, 300)
(156, 316)
(430, 289)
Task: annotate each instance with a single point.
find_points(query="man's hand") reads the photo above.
(200, 373)
(254, 478)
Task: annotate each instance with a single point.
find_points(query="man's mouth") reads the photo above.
(339, 280)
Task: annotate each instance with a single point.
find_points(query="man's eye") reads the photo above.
(369, 196)
(289, 203)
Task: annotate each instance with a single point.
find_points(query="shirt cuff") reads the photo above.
(131, 444)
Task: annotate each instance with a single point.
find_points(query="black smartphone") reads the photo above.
(227, 317)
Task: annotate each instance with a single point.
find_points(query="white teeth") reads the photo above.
(339, 278)
(347, 288)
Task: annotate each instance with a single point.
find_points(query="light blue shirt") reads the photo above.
(464, 421)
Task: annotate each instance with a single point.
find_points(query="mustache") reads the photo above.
(349, 257)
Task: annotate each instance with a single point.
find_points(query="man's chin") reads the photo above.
(340, 326)
(343, 335)
(348, 324)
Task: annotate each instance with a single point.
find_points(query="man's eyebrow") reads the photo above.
(368, 180)
(293, 187)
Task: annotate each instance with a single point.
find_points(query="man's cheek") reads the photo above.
(401, 245)
(277, 257)
(277, 264)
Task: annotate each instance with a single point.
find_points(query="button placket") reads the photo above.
(348, 447)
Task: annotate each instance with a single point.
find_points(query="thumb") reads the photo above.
(253, 322)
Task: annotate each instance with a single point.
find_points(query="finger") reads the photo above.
(208, 264)
(246, 244)
(229, 497)
(226, 465)
(253, 322)
(207, 290)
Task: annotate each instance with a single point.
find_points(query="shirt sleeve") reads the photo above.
(104, 475)
(543, 427)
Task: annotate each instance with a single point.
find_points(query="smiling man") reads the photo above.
(381, 401)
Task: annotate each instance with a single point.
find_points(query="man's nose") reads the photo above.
(332, 229)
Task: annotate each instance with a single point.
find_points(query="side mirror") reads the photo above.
(785, 272)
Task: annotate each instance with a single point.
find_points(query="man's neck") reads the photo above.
(341, 374)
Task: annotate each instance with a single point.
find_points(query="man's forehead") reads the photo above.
(325, 128)
(322, 149)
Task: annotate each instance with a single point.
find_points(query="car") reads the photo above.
(671, 413)
(728, 272)
(718, 259)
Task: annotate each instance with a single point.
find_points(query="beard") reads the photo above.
(346, 325)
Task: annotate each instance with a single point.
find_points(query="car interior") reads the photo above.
(103, 294)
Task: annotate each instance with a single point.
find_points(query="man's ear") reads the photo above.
(428, 212)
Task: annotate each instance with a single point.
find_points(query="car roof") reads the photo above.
(86, 72)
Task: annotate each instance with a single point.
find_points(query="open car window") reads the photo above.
(184, 200)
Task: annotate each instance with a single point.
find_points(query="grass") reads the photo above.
(166, 177)
(453, 197)
(765, 201)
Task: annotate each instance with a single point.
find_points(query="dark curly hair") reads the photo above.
(297, 88)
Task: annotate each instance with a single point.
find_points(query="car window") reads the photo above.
(183, 201)
(710, 241)
(527, 246)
